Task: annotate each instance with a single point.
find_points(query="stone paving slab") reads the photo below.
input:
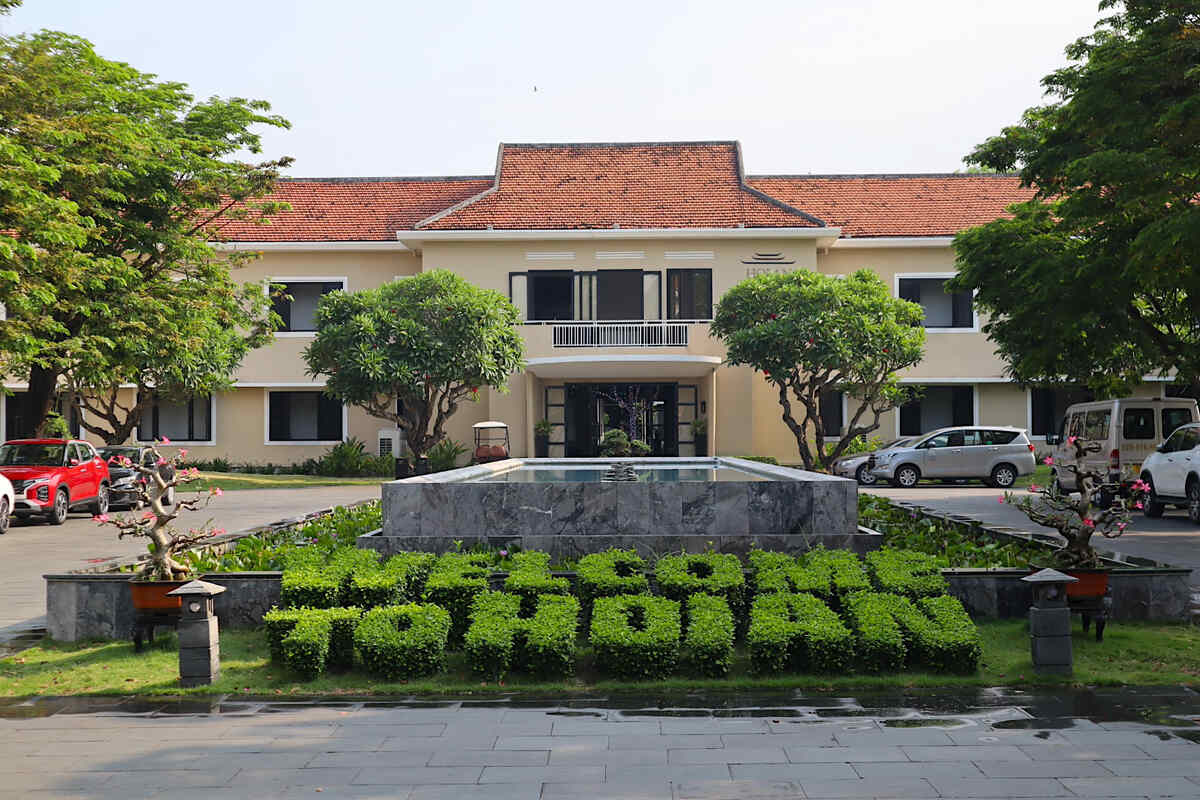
(439, 754)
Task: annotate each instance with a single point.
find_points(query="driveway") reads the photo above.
(30, 550)
(1172, 539)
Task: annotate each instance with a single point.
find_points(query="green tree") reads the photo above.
(112, 185)
(810, 333)
(1096, 279)
(425, 344)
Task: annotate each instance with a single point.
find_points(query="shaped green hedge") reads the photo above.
(635, 636)
(611, 573)
(453, 583)
(906, 572)
(681, 576)
(708, 646)
(309, 640)
(500, 638)
(407, 641)
(797, 632)
(935, 633)
(530, 578)
(829, 574)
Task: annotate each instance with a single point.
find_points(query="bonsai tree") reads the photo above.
(615, 444)
(410, 351)
(155, 522)
(809, 334)
(1102, 507)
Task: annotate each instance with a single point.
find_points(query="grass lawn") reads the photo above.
(1040, 476)
(1132, 654)
(232, 481)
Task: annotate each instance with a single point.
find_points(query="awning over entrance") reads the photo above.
(623, 367)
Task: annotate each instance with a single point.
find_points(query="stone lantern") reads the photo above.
(199, 638)
(1050, 622)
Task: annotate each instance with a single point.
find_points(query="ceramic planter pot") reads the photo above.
(1090, 582)
(541, 446)
(152, 595)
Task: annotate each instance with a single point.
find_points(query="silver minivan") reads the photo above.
(1121, 433)
(995, 454)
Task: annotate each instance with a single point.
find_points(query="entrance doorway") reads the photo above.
(646, 411)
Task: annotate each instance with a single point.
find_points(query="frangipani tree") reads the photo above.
(412, 350)
(809, 334)
(1101, 507)
(155, 522)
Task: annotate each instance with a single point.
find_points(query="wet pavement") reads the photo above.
(986, 743)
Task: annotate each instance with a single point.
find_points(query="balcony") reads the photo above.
(618, 333)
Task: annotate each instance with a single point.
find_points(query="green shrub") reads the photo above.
(614, 444)
(797, 632)
(679, 577)
(935, 633)
(906, 572)
(278, 623)
(639, 448)
(529, 576)
(829, 574)
(708, 646)
(310, 587)
(397, 580)
(342, 622)
(453, 583)
(611, 573)
(880, 641)
(444, 455)
(400, 642)
(958, 646)
(635, 636)
(348, 459)
(500, 638)
(306, 647)
(415, 567)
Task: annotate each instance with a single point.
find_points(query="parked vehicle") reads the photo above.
(1124, 432)
(855, 466)
(51, 477)
(7, 499)
(124, 489)
(1173, 472)
(996, 455)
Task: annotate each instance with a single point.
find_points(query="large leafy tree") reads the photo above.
(412, 350)
(111, 186)
(1096, 279)
(810, 334)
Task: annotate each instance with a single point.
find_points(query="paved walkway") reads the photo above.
(31, 550)
(989, 745)
(1172, 540)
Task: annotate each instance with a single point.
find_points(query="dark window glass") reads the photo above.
(1138, 423)
(998, 437)
(300, 312)
(179, 421)
(831, 413)
(942, 309)
(303, 417)
(619, 294)
(1049, 405)
(689, 294)
(550, 295)
(1172, 418)
(1095, 425)
(910, 418)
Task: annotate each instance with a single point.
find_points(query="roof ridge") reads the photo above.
(598, 145)
(386, 179)
(890, 175)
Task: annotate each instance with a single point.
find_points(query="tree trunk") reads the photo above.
(39, 400)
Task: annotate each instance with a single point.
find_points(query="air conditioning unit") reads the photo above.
(392, 443)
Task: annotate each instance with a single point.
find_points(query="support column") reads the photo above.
(711, 415)
(531, 415)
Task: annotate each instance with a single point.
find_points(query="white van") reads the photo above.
(1128, 430)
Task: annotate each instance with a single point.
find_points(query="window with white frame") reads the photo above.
(303, 417)
(296, 302)
(177, 420)
(943, 309)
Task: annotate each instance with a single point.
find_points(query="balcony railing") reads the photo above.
(621, 333)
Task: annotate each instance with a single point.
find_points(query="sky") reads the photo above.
(382, 88)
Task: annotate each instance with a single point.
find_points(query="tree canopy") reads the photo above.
(111, 183)
(430, 342)
(809, 334)
(1096, 279)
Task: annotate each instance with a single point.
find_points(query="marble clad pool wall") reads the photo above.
(784, 509)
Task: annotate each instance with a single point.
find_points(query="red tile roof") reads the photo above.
(667, 185)
(897, 205)
(352, 209)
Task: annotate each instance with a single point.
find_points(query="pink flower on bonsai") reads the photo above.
(1048, 460)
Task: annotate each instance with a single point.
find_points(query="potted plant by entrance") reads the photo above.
(700, 435)
(162, 572)
(541, 438)
(1103, 507)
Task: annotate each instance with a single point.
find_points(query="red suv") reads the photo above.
(53, 476)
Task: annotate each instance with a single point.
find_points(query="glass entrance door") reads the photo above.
(646, 411)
